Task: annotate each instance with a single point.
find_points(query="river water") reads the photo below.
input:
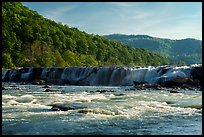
(26, 110)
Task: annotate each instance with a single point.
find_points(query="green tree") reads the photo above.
(7, 61)
(88, 60)
(71, 58)
(39, 55)
(29, 39)
(59, 61)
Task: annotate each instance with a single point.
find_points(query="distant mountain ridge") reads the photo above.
(188, 51)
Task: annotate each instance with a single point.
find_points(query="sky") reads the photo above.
(173, 20)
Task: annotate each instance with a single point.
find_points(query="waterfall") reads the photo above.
(175, 72)
(4, 73)
(26, 74)
(95, 76)
(139, 75)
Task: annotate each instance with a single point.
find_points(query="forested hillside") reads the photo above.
(185, 51)
(30, 40)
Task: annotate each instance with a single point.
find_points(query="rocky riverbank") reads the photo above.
(175, 83)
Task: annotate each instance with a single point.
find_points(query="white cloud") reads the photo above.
(57, 13)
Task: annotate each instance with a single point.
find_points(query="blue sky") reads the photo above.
(174, 20)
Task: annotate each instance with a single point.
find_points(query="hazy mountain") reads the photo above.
(184, 50)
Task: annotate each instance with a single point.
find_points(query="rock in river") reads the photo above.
(65, 107)
(52, 90)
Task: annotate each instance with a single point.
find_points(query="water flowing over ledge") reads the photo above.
(103, 76)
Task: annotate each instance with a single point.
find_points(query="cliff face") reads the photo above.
(105, 76)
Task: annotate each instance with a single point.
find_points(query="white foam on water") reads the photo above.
(8, 97)
(12, 102)
(137, 109)
(27, 96)
(100, 108)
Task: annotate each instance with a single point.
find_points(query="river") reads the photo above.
(26, 110)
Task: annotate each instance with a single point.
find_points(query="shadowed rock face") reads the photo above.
(108, 76)
(197, 74)
(180, 82)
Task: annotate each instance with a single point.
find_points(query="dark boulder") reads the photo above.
(139, 83)
(180, 82)
(172, 83)
(61, 107)
(148, 86)
(46, 86)
(173, 91)
(191, 82)
(103, 91)
(66, 107)
(52, 90)
(4, 88)
(196, 75)
(100, 91)
(39, 82)
(131, 89)
(120, 94)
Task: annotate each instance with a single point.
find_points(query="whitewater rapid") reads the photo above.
(26, 110)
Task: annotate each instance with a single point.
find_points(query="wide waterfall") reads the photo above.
(95, 76)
